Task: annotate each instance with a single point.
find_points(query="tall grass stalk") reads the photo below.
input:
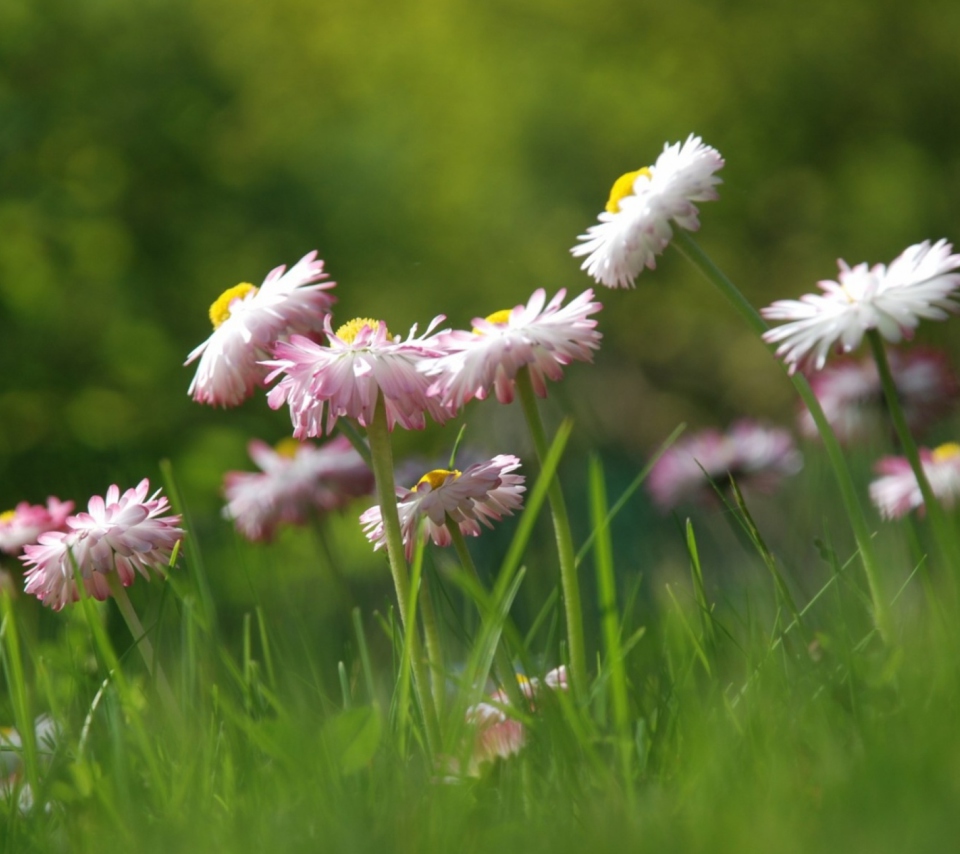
(565, 550)
(18, 689)
(616, 676)
(858, 522)
(505, 671)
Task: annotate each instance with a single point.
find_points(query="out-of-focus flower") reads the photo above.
(346, 377)
(297, 481)
(122, 534)
(541, 339)
(26, 522)
(46, 735)
(482, 492)
(852, 398)
(897, 492)
(644, 206)
(754, 456)
(918, 285)
(496, 733)
(248, 321)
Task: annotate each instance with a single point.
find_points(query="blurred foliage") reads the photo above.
(442, 156)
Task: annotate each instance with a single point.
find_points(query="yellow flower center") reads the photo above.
(623, 187)
(349, 331)
(287, 447)
(437, 478)
(7, 515)
(498, 317)
(220, 310)
(946, 452)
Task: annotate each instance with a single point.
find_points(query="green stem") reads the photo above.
(848, 494)
(381, 455)
(931, 503)
(143, 644)
(565, 550)
(505, 670)
(431, 634)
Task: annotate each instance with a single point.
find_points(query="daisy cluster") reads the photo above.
(282, 335)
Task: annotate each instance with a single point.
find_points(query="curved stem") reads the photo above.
(565, 550)
(858, 521)
(931, 503)
(381, 455)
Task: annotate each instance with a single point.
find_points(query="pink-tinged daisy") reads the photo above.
(642, 209)
(480, 493)
(345, 378)
(897, 492)
(918, 285)
(26, 522)
(542, 339)
(754, 456)
(297, 481)
(122, 534)
(851, 396)
(496, 733)
(248, 321)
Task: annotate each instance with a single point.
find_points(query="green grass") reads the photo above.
(726, 711)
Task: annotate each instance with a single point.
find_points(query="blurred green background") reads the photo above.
(442, 156)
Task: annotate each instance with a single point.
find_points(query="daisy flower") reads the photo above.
(543, 339)
(122, 534)
(26, 522)
(480, 493)
(296, 481)
(247, 321)
(642, 209)
(918, 285)
(897, 492)
(754, 456)
(346, 377)
(46, 735)
(498, 734)
(852, 398)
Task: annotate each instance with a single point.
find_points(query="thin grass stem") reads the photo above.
(565, 550)
(858, 521)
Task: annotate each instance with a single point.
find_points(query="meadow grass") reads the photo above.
(728, 711)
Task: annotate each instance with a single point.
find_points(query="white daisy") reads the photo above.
(248, 321)
(543, 339)
(637, 223)
(897, 492)
(893, 300)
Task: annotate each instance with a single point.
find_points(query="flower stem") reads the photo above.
(142, 643)
(505, 669)
(858, 521)
(381, 455)
(565, 550)
(931, 503)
